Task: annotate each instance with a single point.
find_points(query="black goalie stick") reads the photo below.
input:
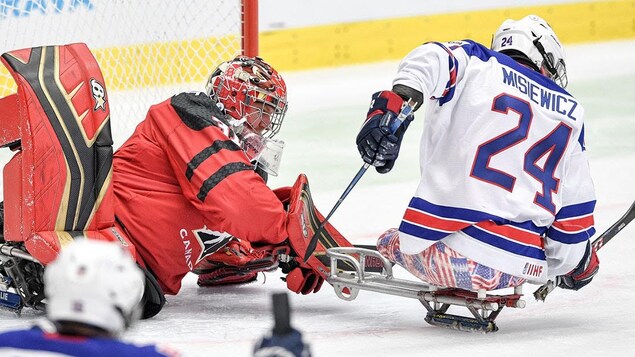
(541, 293)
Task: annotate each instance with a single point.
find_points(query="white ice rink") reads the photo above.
(326, 110)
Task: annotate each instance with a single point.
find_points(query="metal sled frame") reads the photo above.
(21, 279)
(437, 300)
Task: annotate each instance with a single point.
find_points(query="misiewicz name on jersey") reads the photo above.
(540, 95)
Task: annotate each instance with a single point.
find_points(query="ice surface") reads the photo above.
(326, 109)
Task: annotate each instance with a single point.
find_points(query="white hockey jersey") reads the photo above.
(505, 178)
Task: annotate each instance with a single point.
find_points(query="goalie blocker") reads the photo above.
(303, 221)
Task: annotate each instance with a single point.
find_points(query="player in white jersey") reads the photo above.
(93, 289)
(505, 194)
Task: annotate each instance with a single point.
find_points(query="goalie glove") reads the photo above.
(236, 262)
(583, 273)
(379, 139)
(301, 279)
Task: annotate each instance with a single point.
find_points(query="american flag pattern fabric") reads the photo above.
(441, 266)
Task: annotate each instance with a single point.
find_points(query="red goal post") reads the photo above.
(147, 49)
(250, 27)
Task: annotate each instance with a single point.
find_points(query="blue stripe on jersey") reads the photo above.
(577, 210)
(35, 339)
(504, 244)
(462, 214)
(528, 226)
(570, 238)
(472, 217)
(453, 67)
(422, 232)
(477, 50)
(581, 139)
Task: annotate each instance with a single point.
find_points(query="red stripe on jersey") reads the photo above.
(452, 69)
(512, 233)
(575, 224)
(421, 218)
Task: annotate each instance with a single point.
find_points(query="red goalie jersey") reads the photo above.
(183, 184)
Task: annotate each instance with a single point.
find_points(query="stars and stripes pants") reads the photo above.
(442, 266)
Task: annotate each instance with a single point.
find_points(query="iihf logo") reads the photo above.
(532, 269)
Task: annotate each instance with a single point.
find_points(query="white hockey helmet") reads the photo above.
(95, 283)
(533, 37)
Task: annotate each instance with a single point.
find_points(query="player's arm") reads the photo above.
(570, 256)
(430, 70)
(433, 69)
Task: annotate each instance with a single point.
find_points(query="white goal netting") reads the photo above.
(147, 49)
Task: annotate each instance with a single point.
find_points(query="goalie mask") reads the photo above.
(535, 40)
(96, 283)
(254, 95)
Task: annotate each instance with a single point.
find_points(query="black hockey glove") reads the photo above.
(583, 273)
(380, 137)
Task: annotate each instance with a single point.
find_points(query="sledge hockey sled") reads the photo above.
(484, 308)
(57, 185)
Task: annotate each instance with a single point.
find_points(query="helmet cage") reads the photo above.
(250, 89)
(556, 71)
(256, 102)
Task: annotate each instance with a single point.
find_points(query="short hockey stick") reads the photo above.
(541, 293)
(407, 109)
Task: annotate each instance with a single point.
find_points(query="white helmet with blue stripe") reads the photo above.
(532, 37)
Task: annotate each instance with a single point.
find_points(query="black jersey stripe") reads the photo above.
(219, 176)
(199, 158)
(196, 110)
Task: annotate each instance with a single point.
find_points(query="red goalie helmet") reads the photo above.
(250, 89)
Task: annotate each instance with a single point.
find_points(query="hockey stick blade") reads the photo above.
(541, 293)
(613, 230)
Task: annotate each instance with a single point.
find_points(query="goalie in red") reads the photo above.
(186, 192)
(190, 183)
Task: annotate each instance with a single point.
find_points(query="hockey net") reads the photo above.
(148, 50)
